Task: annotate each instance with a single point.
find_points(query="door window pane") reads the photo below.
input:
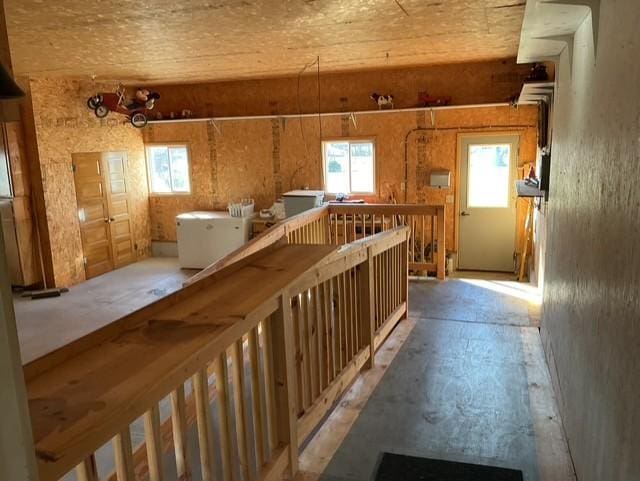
(488, 175)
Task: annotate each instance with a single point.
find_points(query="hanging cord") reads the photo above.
(304, 139)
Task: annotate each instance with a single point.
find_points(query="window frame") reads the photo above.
(350, 140)
(168, 145)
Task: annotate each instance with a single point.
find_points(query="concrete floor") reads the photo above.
(469, 384)
(46, 324)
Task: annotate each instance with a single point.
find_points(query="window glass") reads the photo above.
(362, 169)
(168, 169)
(179, 169)
(349, 167)
(489, 175)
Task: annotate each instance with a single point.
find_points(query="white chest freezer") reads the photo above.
(297, 201)
(204, 237)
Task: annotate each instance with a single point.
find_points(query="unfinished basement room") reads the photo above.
(320, 240)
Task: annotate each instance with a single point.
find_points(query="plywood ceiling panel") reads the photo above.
(169, 41)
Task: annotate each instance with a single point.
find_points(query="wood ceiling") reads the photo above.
(177, 41)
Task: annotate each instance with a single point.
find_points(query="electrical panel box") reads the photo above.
(440, 179)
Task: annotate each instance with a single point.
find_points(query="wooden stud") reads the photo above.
(153, 441)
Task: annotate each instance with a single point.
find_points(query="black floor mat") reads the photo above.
(397, 467)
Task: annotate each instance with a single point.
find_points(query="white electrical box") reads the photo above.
(440, 179)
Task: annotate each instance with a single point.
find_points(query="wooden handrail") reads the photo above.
(276, 233)
(91, 391)
(293, 230)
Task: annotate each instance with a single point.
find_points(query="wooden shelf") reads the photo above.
(526, 190)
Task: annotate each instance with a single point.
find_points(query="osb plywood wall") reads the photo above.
(263, 158)
(22, 204)
(64, 125)
(469, 83)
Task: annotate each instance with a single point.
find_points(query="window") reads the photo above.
(349, 166)
(489, 175)
(168, 167)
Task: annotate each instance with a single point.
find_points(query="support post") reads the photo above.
(284, 377)
(442, 250)
(367, 298)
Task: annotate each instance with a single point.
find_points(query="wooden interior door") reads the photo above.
(103, 209)
(119, 200)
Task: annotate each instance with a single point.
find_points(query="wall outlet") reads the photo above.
(449, 199)
(403, 186)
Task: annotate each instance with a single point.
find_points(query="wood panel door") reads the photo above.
(103, 210)
(119, 206)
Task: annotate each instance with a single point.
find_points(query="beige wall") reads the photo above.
(591, 318)
(65, 125)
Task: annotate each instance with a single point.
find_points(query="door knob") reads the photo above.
(464, 213)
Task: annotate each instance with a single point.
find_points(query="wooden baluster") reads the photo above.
(333, 328)
(344, 320)
(123, 456)
(242, 428)
(344, 230)
(200, 383)
(257, 397)
(180, 429)
(337, 295)
(423, 259)
(405, 278)
(87, 469)
(269, 382)
(354, 311)
(153, 440)
(433, 239)
(306, 360)
(282, 351)
(222, 375)
(310, 315)
(322, 336)
(346, 296)
(367, 303)
(299, 339)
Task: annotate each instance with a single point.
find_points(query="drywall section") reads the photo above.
(468, 83)
(591, 303)
(64, 125)
(264, 158)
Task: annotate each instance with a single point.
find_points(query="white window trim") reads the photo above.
(149, 181)
(350, 140)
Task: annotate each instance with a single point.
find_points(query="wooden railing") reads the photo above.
(340, 224)
(427, 251)
(247, 360)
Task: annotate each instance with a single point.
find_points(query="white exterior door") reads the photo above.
(487, 203)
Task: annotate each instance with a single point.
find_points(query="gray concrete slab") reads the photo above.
(459, 388)
(46, 324)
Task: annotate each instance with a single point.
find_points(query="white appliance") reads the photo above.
(297, 201)
(204, 237)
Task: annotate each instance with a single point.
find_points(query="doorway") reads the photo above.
(102, 193)
(487, 222)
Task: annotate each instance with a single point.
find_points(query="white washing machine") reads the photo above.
(206, 236)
